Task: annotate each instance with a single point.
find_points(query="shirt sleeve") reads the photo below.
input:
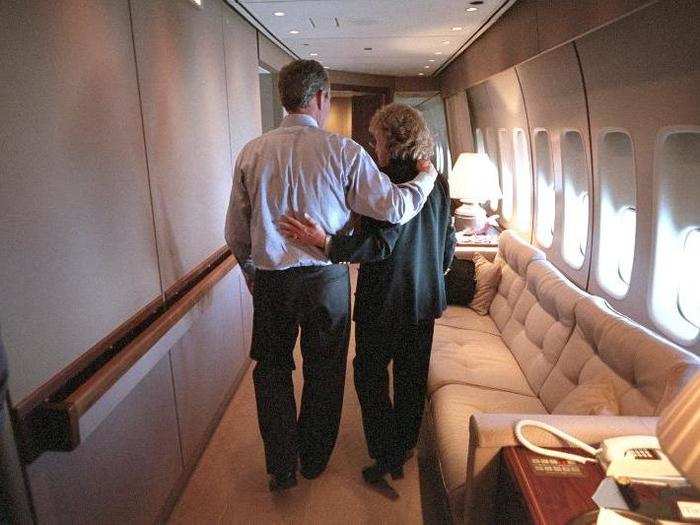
(237, 232)
(371, 193)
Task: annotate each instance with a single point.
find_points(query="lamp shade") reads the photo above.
(679, 431)
(474, 178)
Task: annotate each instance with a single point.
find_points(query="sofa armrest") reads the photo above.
(498, 430)
(489, 433)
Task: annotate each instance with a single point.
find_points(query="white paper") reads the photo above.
(689, 509)
(607, 496)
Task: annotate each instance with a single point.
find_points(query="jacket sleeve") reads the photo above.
(373, 242)
(450, 238)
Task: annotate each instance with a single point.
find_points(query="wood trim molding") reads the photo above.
(48, 419)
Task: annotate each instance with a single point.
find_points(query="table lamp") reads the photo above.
(474, 180)
(679, 431)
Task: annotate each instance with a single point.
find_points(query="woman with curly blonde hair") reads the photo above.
(400, 292)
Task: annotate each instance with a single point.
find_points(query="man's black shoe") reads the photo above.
(282, 481)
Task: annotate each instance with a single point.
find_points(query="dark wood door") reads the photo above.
(363, 108)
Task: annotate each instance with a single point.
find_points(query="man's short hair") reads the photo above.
(299, 81)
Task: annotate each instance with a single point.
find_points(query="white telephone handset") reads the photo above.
(635, 457)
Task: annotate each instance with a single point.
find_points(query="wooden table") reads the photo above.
(533, 490)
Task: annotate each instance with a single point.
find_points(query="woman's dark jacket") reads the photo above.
(401, 277)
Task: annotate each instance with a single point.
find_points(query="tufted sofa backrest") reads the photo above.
(645, 371)
(542, 321)
(514, 256)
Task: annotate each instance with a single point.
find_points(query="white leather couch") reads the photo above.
(543, 340)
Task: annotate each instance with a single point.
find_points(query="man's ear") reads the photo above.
(319, 99)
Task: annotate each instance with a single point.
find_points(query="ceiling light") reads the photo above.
(326, 67)
(294, 32)
(421, 74)
(431, 60)
(438, 52)
(427, 67)
(445, 42)
(313, 54)
(278, 13)
(457, 28)
(470, 9)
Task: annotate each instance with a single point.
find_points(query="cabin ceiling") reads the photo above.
(406, 37)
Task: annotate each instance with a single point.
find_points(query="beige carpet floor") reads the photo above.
(229, 484)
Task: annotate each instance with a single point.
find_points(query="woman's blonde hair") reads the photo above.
(405, 130)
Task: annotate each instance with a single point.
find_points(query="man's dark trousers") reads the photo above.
(315, 299)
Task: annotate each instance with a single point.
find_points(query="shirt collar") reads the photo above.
(298, 119)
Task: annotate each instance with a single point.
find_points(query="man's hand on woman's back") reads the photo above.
(424, 165)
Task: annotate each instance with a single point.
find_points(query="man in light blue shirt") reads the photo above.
(300, 168)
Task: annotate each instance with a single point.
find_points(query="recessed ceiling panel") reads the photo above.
(390, 37)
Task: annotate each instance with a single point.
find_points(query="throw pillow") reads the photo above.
(488, 276)
(460, 283)
(596, 398)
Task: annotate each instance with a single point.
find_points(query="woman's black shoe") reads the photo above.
(376, 472)
(282, 481)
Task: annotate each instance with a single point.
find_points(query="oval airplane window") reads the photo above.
(673, 297)
(546, 198)
(582, 223)
(523, 183)
(617, 216)
(505, 157)
(689, 292)
(628, 232)
(575, 180)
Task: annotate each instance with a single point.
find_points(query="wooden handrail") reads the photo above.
(49, 419)
(83, 398)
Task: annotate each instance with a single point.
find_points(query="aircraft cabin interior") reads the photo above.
(563, 381)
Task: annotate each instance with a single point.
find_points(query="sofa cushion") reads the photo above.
(514, 256)
(542, 321)
(467, 319)
(468, 357)
(607, 346)
(596, 398)
(451, 406)
(488, 276)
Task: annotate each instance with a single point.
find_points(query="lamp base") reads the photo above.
(470, 218)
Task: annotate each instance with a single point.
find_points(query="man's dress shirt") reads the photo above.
(300, 168)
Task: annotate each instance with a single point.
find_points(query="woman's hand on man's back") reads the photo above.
(303, 230)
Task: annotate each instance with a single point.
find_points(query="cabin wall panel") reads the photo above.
(271, 54)
(207, 360)
(78, 255)
(180, 56)
(459, 128)
(125, 470)
(242, 81)
(559, 21)
(648, 84)
(433, 111)
(528, 28)
(509, 114)
(511, 40)
(557, 103)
